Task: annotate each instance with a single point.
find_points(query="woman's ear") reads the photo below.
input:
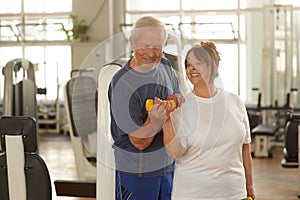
(216, 72)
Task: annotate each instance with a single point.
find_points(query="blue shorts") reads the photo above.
(143, 188)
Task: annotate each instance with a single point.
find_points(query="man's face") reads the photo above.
(148, 47)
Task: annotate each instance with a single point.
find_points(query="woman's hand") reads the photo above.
(178, 98)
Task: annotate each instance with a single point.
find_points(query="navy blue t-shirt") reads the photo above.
(128, 92)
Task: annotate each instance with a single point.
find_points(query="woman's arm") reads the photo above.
(172, 144)
(247, 161)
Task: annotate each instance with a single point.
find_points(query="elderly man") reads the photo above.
(144, 170)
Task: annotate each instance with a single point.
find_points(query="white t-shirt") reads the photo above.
(213, 130)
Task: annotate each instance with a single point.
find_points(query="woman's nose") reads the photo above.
(192, 67)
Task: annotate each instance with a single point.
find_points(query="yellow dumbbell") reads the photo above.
(149, 104)
(249, 198)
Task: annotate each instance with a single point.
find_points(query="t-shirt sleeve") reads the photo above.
(246, 124)
(125, 111)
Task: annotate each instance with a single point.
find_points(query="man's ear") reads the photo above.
(132, 44)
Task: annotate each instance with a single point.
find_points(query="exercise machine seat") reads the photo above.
(268, 130)
(36, 182)
(263, 134)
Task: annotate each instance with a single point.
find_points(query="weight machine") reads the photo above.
(19, 89)
(276, 78)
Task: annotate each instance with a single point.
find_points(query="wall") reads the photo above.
(104, 17)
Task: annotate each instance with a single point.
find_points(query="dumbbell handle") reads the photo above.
(150, 102)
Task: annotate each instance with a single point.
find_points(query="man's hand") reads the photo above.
(157, 117)
(159, 113)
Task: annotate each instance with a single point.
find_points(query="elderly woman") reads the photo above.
(209, 135)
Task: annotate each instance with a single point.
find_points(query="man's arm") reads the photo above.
(143, 137)
(141, 143)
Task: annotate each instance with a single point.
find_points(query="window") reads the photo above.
(53, 67)
(146, 5)
(40, 21)
(8, 29)
(47, 6)
(209, 5)
(200, 20)
(10, 6)
(210, 27)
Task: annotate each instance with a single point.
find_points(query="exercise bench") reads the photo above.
(263, 139)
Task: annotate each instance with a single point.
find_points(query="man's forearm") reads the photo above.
(143, 137)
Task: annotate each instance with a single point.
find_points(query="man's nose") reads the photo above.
(151, 51)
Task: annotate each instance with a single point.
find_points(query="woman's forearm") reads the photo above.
(171, 142)
(247, 161)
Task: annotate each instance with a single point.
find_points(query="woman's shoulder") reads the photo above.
(189, 97)
(189, 101)
(231, 95)
(233, 98)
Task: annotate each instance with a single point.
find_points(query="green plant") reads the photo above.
(78, 31)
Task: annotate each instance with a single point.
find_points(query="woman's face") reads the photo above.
(197, 70)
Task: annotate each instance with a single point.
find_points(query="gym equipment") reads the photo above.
(263, 135)
(80, 94)
(290, 151)
(80, 104)
(105, 154)
(149, 104)
(298, 160)
(265, 132)
(19, 97)
(23, 173)
(79, 188)
(276, 76)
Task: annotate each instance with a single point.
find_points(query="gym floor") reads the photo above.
(271, 181)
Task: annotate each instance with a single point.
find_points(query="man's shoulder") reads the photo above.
(120, 73)
(166, 65)
(165, 62)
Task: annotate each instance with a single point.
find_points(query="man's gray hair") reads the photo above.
(147, 22)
